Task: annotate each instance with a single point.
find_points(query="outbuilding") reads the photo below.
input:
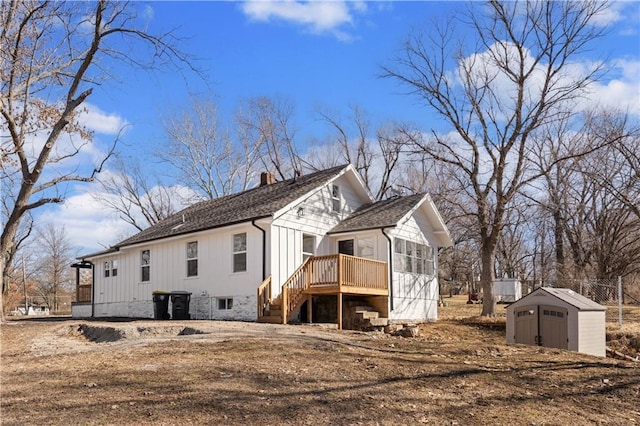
(507, 290)
(558, 318)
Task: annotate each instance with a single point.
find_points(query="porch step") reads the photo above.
(378, 322)
(274, 312)
(270, 319)
(367, 314)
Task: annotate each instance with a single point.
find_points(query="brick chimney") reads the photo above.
(267, 178)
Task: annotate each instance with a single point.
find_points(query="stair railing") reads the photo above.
(264, 296)
(293, 291)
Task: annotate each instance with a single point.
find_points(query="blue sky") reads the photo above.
(315, 54)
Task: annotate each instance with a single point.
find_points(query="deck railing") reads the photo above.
(264, 296)
(83, 293)
(336, 273)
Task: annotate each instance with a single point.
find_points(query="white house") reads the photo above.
(295, 249)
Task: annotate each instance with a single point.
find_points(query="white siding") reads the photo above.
(592, 333)
(127, 295)
(316, 218)
(415, 296)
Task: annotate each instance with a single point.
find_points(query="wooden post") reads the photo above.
(309, 308)
(339, 311)
(284, 305)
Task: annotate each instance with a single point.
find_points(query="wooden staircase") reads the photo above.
(273, 312)
(322, 275)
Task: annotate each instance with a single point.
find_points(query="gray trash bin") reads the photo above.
(180, 305)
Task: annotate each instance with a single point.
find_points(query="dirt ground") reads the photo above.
(457, 372)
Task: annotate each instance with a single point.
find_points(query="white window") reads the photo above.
(110, 268)
(413, 257)
(192, 259)
(308, 246)
(225, 304)
(240, 252)
(145, 262)
(335, 198)
(365, 248)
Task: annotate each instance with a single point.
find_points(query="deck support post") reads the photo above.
(339, 311)
(309, 308)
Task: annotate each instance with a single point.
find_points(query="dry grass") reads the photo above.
(458, 371)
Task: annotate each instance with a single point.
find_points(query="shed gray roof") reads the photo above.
(379, 214)
(245, 206)
(574, 299)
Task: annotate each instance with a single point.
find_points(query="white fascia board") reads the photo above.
(439, 228)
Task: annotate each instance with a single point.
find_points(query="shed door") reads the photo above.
(526, 328)
(554, 327)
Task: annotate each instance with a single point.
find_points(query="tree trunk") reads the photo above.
(487, 253)
(558, 234)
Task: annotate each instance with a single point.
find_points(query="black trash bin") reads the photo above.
(161, 305)
(180, 305)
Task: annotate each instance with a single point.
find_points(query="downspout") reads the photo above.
(390, 268)
(264, 250)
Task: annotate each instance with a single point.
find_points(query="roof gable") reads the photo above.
(378, 214)
(256, 203)
(388, 213)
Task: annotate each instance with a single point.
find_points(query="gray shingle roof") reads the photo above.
(245, 206)
(379, 214)
(574, 299)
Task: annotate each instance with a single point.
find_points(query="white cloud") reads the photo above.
(609, 15)
(99, 121)
(621, 92)
(89, 226)
(318, 17)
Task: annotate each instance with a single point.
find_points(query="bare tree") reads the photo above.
(512, 83)
(377, 157)
(54, 257)
(205, 154)
(267, 123)
(136, 196)
(52, 54)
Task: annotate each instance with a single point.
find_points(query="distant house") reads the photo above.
(300, 249)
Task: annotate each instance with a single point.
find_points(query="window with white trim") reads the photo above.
(240, 252)
(365, 247)
(308, 246)
(145, 263)
(413, 257)
(192, 259)
(111, 268)
(335, 198)
(225, 303)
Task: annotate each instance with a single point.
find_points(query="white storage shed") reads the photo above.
(507, 290)
(558, 318)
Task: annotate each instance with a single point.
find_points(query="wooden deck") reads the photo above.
(337, 274)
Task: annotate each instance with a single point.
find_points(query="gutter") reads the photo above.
(390, 269)
(264, 250)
